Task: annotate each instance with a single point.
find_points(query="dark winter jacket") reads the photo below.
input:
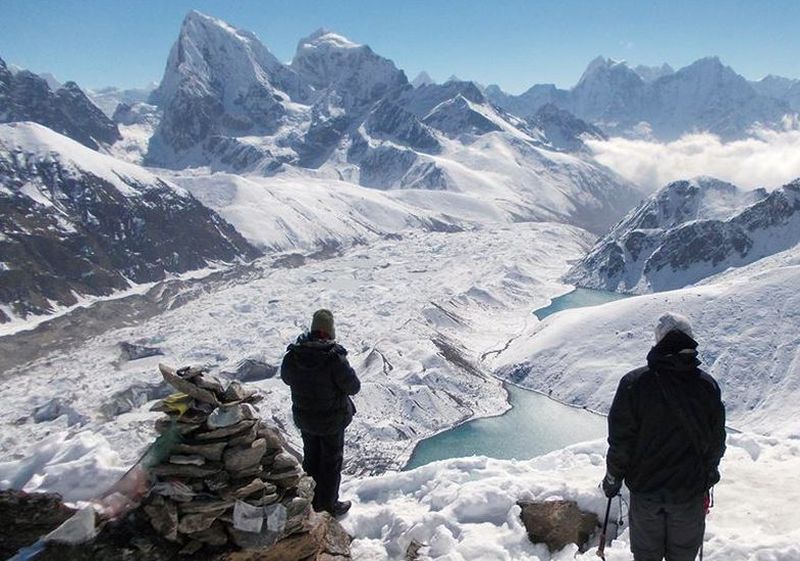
(321, 380)
(649, 443)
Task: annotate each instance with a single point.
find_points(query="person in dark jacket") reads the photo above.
(322, 381)
(666, 436)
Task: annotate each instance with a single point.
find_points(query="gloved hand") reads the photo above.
(611, 485)
(713, 477)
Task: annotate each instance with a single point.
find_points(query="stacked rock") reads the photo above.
(228, 481)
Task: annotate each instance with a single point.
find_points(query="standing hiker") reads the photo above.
(666, 436)
(321, 379)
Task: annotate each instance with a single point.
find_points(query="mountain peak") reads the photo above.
(602, 64)
(325, 38)
(195, 18)
(422, 79)
(652, 73)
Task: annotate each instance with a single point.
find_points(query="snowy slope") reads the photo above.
(465, 509)
(746, 321)
(416, 312)
(690, 230)
(74, 222)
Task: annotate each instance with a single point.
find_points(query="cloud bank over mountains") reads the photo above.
(768, 158)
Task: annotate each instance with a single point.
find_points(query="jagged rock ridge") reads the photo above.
(75, 223)
(25, 96)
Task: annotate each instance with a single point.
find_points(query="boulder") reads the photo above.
(132, 397)
(211, 451)
(26, 517)
(131, 351)
(190, 460)
(241, 459)
(230, 415)
(252, 370)
(557, 523)
(226, 432)
(186, 386)
(324, 540)
(205, 507)
(271, 435)
(173, 470)
(283, 462)
(199, 521)
(236, 393)
(215, 535)
(163, 515)
(55, 408)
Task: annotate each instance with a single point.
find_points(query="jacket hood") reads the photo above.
(311, 351)
(675, 353)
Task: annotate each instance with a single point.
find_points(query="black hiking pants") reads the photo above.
(666, 531)
(322, 460)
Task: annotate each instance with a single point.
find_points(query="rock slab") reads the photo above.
(558, 523)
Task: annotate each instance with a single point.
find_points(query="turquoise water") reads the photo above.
(578, 298)
(534, 425)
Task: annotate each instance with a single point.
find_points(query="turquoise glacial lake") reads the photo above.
(578, 298)
(534, 425)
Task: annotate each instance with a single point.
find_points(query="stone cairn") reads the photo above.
(228, 482)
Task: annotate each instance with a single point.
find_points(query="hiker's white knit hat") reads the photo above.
(672, 322)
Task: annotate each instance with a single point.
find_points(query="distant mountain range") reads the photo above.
(341, 111)
(661, 103)
(336, 119)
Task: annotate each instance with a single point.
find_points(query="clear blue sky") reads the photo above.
(513, 43)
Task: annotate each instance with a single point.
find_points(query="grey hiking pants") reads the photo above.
(664, 530)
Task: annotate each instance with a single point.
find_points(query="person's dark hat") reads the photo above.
(322, 322)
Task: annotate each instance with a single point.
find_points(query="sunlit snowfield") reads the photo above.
(416, 313)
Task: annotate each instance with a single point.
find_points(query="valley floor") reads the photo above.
(416, 313)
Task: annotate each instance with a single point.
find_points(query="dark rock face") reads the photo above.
(251, 370)
(131, 351)
(558, 523)
(456, 117)
(135, 396)
(690, 230)
(389, 120)
(55, 408)
(26, 517)
(563, 129)
(27, 97)
(65, 232)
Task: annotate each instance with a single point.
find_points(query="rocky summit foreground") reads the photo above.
(216, 484)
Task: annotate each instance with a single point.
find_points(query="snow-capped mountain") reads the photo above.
(78, 223)
(652, 73)
(349, 114)
(219, 84)
(690, 230)
(25, 96)
(563, 130)
(704, 96)
(108, 98)
(422, 79)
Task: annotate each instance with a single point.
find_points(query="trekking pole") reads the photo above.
(602, 547)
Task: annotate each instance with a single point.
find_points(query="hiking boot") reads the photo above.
(341, 508)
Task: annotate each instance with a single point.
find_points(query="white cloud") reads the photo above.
(766, 159)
